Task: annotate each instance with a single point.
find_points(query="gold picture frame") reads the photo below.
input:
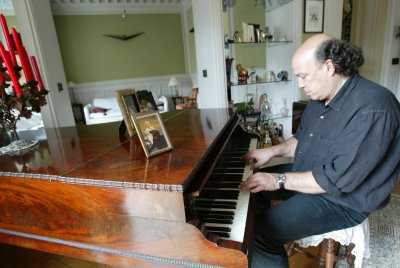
(128, 104)
(152, 133)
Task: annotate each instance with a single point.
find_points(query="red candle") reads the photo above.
(23, 56)
(10, 69)
(37, 73)
(8, 39)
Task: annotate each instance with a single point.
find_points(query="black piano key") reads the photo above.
(221, 185)
(221, 234)
(225, 177)
(209, 206)
(215, 204)
(220, 221)
(214, 212)
(223, 219)
(227, 170)
(237, 144)
(230, 163)
(234, 153)
(231, 158)
(220, 194)
(232, 192)
(219, 228)
(207, 201)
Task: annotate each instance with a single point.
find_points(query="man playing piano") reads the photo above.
(346, 153)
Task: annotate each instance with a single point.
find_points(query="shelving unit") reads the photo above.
(258, 83)
(278, 55)
(268, 43)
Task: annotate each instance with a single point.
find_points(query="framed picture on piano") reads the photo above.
(129, 105)
(152, 133)
(146, 101)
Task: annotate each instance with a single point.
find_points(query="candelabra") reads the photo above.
(13, 107)
(18, 100)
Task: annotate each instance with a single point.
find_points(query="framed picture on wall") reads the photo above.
(129, 105)
(152, 133)
(313, 16)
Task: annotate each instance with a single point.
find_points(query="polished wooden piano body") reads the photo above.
(85, 192)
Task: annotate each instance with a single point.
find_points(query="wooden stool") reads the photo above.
(355, 239)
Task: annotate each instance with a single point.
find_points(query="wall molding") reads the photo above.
(102, 7)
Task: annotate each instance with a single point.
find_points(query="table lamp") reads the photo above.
(173, 84)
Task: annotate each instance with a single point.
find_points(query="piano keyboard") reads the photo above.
(221, 205)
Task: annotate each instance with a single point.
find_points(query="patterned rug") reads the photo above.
(384, 237)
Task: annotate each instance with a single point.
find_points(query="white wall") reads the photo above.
(210, 57)
(333, 17)
(390, 76)
(37, 29)
(283, 23)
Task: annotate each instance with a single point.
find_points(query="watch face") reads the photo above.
(281, 179)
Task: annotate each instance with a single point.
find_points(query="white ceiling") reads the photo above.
(87, 7)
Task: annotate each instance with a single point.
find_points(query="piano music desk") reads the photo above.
(86, 193)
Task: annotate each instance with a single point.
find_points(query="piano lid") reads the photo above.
(95, 155)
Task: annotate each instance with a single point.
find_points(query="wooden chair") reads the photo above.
(355, 240)
(188, 102)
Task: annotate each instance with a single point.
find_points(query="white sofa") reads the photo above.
(105, 110)
(33, 123)
(102, 110)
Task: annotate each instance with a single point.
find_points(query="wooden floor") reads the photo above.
(15, 257)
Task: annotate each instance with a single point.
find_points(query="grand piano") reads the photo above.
(90, 193)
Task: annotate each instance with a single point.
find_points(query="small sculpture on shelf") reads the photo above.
(242, 74)
(266, 36)
(283, 76)
(236, 37)
(250, 103)
(272, 76)
(18, 100)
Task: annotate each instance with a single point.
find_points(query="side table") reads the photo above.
(179, 98)
(77, 110)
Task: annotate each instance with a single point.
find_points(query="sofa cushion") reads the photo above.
(99, 110)
(109, 114)
(107, 103)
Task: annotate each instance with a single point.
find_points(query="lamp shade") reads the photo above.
(173, 82)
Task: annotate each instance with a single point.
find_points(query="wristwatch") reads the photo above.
(281, 179)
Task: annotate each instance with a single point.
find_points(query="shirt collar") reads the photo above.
(337, 102)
